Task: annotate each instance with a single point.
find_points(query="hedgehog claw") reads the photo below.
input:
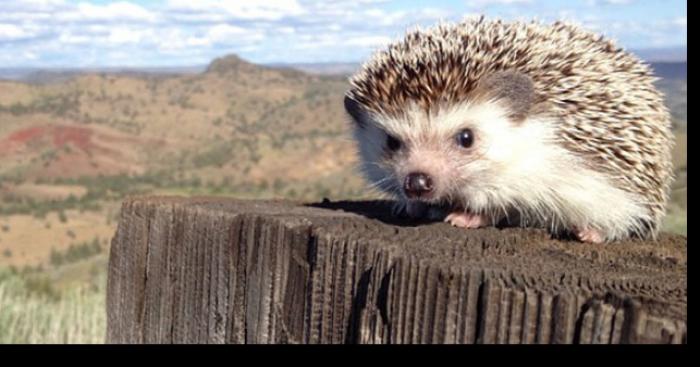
(465, 220)
(590, 235)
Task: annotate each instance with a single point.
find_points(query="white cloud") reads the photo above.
(35, 5)
(122, 35)
(608, 2)
(173, 39)
(69, 38)
(401, 18)
(212, 9)
(185, 32)
(681, 22)
(482, 3)
(224, 33)
(286, 30)
(30, 55)
(618, 2)
(368, 41)
(375, 12)
(116, 36)
(11, 32)
(176, 39)
(118, 12)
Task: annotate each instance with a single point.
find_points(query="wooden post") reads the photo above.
(212, 270)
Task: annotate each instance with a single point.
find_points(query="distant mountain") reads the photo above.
(674, 85)
(666, 54)
(236, 125)
(328, 68)
(671, 70)
(53, 75)
(668, 63)
(230, 64)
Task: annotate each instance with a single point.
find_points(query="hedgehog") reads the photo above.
(485, 121)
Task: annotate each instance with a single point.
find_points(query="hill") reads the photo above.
(674, 84)
(237, 123)
(71, 149)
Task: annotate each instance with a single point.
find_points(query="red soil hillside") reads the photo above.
(51, 151)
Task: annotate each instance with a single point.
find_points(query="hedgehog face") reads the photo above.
(453, 155)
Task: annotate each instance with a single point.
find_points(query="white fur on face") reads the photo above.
(371, 142)
(512, 167)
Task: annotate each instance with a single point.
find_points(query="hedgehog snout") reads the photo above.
(418, 184)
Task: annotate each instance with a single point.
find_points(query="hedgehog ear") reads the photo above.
(512, 87)
(359, 114)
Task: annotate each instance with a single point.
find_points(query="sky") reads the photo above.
(139, 33)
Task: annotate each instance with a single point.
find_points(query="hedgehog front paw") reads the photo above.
(466, 220)
(589, 235)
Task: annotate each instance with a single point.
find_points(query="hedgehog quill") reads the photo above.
(542, 125)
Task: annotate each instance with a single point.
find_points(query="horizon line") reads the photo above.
(637, 51)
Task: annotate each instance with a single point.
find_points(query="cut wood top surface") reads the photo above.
(655, 271)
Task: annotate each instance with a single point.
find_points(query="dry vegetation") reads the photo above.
(57, 305)
(71, 150)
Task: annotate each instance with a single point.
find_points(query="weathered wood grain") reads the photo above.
(212, 270)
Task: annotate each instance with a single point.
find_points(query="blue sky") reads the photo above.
(63, 33)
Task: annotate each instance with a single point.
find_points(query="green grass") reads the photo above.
(676, 220)
(63, 305)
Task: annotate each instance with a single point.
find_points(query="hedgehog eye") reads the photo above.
(392, 143)
(465, 138)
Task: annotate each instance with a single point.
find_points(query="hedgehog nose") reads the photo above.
(417, 184)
